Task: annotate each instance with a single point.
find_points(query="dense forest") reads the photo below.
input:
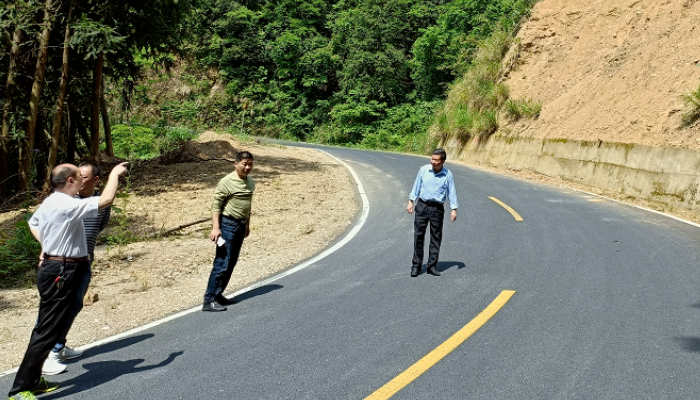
(79, 77)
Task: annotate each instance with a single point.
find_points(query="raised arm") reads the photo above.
(107, 197)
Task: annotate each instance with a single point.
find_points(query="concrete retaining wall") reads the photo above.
(670, 176)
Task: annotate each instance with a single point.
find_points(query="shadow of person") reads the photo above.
(445, 265)
(112, 346)
(258, 291)
(101, 372)
(691, 344)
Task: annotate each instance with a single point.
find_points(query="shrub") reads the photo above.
(133, 141)
(138, 141)
(19, 252)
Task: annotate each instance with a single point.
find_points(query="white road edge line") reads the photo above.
(639, 207)
(355, 229)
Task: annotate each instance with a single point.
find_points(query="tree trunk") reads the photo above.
(25, 154)
(95, 115)
(58, 112)
(109, 148)
(71, 147)
(7, 111)
(77, 120)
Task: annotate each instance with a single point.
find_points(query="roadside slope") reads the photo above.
(609, 70)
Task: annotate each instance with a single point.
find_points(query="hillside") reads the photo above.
(609, 70)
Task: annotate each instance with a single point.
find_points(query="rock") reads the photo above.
(90, 298)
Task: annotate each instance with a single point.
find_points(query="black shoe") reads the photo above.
(433, 271)
(415, 271)
(213, 306)
(224, 301)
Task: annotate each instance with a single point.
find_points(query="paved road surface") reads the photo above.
(607, 305)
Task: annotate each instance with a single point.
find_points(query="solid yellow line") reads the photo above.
(510, 210)
(417, 369)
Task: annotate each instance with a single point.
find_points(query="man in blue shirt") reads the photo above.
(434, 184)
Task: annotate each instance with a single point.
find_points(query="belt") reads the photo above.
(66, 259)
(431, 203)
(238, 220)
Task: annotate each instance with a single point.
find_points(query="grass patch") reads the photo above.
(692, 114)
(516, 110)
(19, 253)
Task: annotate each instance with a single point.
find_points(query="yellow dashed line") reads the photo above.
(441, 351)
(510, 210)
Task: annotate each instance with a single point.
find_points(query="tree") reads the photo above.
(26, 149)
(58, 112)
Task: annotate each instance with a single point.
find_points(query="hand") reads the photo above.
(409, 207)
(247, 230)
(453, 216)
(41, 258)
(120, 169)
(215, 234)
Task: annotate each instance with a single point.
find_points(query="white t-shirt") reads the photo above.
(59, 221)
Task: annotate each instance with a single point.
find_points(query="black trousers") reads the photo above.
(433, 213)
(54, 311)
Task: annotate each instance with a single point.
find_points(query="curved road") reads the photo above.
(606, 305)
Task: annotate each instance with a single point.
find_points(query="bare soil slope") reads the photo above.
(609, 70)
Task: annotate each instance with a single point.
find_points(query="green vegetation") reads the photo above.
(19, 253)
(475, 101)
(692, 114)
(518, 109)
(138, 141)
(369, 73)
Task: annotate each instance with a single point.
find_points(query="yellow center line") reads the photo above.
(417, 369)
(510, 210)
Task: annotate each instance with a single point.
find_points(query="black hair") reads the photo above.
(243, 155)
(441, 153)
(95, 168)
(60, 175)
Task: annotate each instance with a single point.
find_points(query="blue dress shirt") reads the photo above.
(430, 186)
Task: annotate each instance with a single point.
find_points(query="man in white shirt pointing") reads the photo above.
(58, 225)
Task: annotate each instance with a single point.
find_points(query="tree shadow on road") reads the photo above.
(101, 372)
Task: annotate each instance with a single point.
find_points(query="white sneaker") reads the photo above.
(67, 353)
(52, 365)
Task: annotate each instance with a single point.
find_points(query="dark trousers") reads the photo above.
(233, 232)
(433, 213)
(54, 310)
(75, 310)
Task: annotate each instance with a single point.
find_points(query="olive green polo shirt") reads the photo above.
(233, 195)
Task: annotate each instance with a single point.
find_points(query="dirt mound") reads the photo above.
(195, 151)
(609, 70)
(209, 146)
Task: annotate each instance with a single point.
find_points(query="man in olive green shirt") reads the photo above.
(231, 224)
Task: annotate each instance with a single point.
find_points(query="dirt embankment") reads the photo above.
(303, 200)
(609, 70)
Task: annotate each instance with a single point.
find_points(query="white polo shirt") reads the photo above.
(59, 221)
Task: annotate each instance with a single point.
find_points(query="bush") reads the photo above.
(138, 141)
(133, 141)
(19, 251)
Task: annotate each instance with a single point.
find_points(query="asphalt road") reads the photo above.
(607, 305)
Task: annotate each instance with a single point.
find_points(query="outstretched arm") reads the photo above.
(107, 197)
